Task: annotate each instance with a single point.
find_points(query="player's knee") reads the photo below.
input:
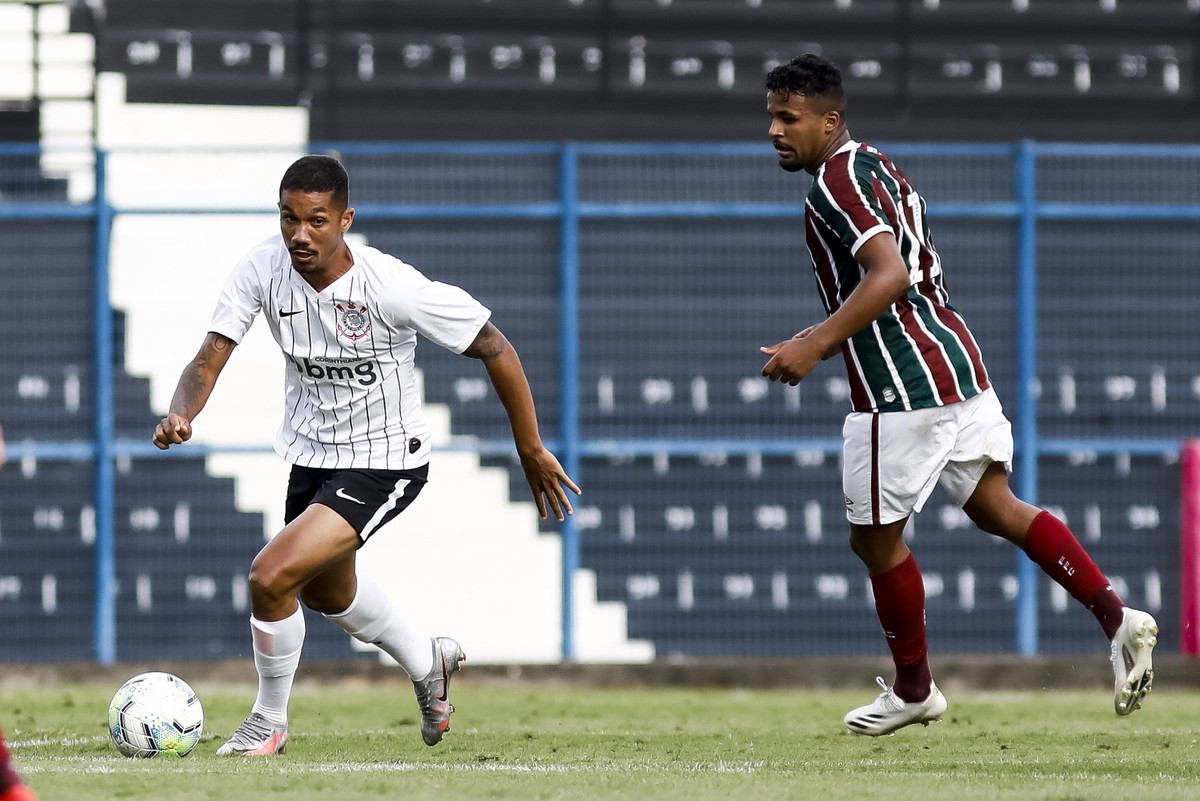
(268, 585)
(879, 548)
(859, 548)
(870, 550)
(1009, 521)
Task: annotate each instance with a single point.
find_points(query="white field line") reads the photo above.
(114, 764)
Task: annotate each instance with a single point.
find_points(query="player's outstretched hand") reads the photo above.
(172, 430)
(546, 478)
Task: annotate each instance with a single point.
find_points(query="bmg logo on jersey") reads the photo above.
(360, 371)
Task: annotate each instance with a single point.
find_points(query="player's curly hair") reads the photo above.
(809, 75)
(318, 174)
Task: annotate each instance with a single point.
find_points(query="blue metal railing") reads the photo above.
(568, 210)
(106, 563)
(1025, 425)
(568, 345)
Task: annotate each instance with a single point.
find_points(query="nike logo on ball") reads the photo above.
(341, 493)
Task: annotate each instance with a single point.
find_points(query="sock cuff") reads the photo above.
(367, 597)
(369, 614)
(278, 638)
(1037, 535)
(275, 627)
(906, 569)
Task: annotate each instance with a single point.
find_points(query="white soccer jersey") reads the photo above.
(350, 387)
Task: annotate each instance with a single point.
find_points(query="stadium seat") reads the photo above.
(946, 71)
(233, 65)
(642, 64)
(684, 11)
(1116, 13)
(1143, 71)
(1107, 397)
(427, 61)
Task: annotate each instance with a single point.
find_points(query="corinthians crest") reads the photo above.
(352, 320)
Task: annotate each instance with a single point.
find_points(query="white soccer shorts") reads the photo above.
(892, 461)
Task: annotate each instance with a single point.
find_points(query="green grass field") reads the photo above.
(519, 741)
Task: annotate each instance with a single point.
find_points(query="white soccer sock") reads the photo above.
(277, 646)
(372, 617)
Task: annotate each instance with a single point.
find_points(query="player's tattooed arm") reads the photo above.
(545, 475)
(191, 393)
(488, 343)
(508, 378)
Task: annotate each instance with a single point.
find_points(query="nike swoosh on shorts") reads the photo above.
(341, 493)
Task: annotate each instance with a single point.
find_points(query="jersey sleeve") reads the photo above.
(238, 303)
(845, 197)
(444, 314)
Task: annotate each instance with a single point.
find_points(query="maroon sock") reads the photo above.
(1109, 609)
(900, 604)
(1054, 548)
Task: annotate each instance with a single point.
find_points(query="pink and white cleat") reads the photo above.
(257, 736)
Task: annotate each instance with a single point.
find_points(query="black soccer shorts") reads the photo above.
(366, 499)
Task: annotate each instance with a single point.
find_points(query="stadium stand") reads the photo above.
(683, 70)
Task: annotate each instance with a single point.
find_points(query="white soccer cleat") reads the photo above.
(889, 712)
(1132, 652)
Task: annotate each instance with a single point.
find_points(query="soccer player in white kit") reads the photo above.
(346, 317)
(924, 409)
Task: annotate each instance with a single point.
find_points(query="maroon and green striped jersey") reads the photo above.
(919, 353)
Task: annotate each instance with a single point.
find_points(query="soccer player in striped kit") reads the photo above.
(924, 410)
(346, 317)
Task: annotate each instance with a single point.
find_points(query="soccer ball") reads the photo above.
(155, 714)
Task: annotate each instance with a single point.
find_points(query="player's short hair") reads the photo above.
(318, 174)
(809, 75)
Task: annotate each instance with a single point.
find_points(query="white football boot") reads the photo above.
(1132, 651)
(889, 712)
